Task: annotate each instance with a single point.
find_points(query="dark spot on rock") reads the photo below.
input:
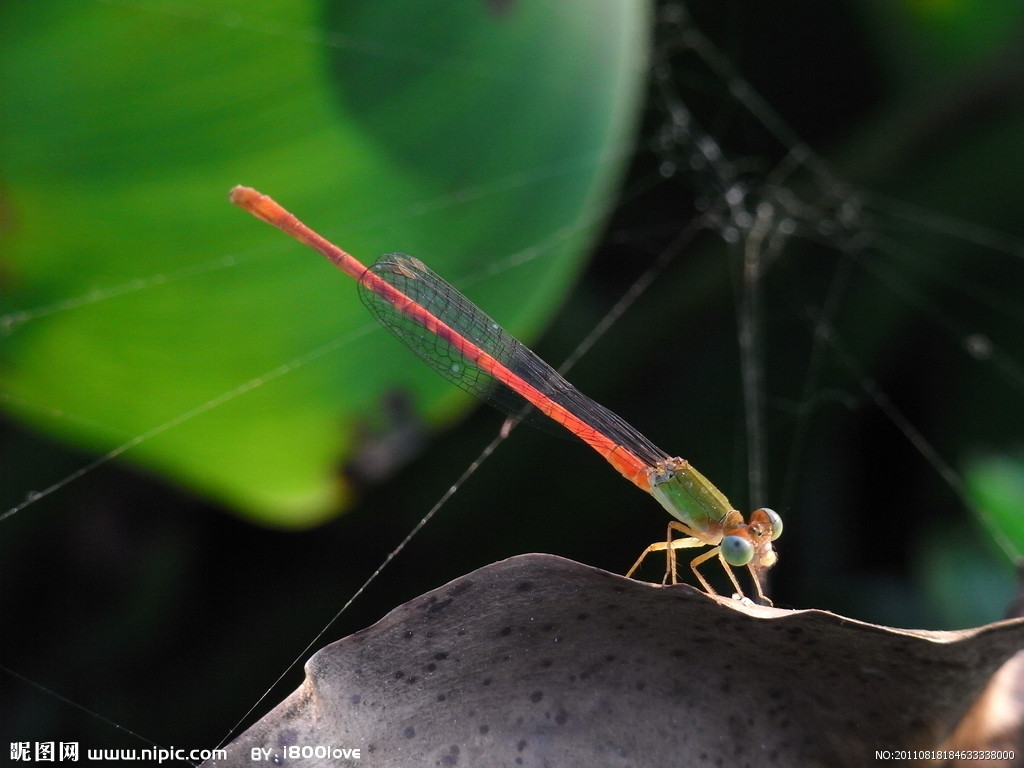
(287, 737)
(409, 732)
(452, 758)
(536, 696)
(440, 605)
(524, 586)
(561, 717)
(506, 631)
(441, 656)
(487, 681)
(431, 667)
(462, 586)
(356, 698)
(521, 745)
(484, 729)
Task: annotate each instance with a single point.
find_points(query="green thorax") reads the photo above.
(689, 496)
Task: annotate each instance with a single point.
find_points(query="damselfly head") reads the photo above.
(750, 543)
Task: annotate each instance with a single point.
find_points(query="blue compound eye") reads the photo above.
(737, 550)
(776, 521)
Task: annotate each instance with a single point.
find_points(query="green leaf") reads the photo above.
(141, 307)
(995, 484)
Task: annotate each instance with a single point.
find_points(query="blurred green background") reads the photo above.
(167, 589)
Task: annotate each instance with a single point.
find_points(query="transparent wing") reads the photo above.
(415, 281)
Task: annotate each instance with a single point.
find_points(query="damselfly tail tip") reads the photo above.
(259, 205)
(243, 196)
